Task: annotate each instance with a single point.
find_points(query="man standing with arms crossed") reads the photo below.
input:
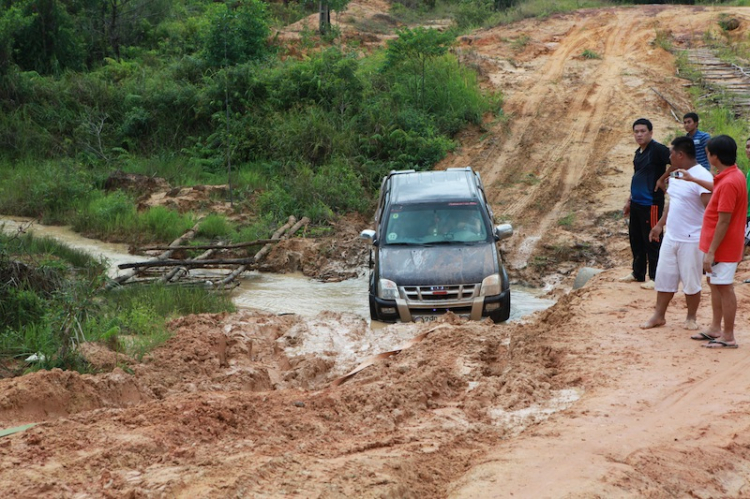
(680, 259)
(645, 203)
(723, 239)
(690, 123)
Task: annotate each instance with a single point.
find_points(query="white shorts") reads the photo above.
(723, 273)
(679, 262)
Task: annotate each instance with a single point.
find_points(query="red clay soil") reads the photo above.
(575, 401)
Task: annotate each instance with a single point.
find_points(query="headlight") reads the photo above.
(387, 289)
(491, 286)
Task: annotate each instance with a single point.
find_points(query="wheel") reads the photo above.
(503, 314)
(373, 310)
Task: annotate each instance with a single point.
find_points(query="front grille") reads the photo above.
(440, 293)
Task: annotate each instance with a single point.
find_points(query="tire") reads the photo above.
(373, 310)
(504, 312)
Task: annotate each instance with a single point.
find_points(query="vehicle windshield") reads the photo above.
(458, 222)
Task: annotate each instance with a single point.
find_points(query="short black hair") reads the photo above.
(692, 116)
(643, 121)
(723, 147)
(685, 145)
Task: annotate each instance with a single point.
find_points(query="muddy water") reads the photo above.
(276, 293)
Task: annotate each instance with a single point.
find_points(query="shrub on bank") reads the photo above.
(51, 299)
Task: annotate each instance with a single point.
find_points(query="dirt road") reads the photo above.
(575, 402)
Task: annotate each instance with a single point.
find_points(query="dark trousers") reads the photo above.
(642, 218)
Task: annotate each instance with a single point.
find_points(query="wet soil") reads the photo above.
(575, 401)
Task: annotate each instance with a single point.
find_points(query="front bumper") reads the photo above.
(497, 307)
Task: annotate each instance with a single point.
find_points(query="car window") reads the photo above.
(436, 223)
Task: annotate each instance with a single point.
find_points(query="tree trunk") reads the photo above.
(325, 17)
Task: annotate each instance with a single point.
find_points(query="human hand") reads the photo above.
(660, 184)
(655, 233)
(626, 209)
(708, 261)
(683, 175)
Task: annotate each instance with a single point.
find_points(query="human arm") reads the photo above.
(626, 208)
(705, 198)
(721, 230)
(662, 182)
(706, 184)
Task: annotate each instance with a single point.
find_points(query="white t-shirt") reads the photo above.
(685, 215)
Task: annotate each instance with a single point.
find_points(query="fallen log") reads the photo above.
(172, 273)
(675, 108)
(276, 236)
(187, 263)
(257, 242)
(176, 243)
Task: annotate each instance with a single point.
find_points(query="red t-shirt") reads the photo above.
(729, 196)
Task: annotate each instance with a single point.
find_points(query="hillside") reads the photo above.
(577, 401)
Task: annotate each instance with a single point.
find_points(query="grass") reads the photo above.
(568, 220)
(520, 42)
(590, 54)
(52, 299)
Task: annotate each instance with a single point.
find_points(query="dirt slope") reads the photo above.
(575, 402)
(566, 149)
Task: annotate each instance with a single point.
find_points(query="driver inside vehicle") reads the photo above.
(462, 225)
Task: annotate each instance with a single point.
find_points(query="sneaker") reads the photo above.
(647, 285)
(628, 278)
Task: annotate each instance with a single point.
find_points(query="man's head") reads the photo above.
(690, 122)
(747, 147)
(642, 130)
(682, 153)
(721, 151)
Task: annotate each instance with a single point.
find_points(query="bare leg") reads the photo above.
(660, 310)
(729, 311)
(693, 301)
(716, 313)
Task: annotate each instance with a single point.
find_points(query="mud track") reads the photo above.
(575, 402)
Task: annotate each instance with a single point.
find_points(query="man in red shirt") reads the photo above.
(723, 239)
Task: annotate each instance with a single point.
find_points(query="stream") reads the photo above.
(275, 293)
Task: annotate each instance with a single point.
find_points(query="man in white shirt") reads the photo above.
(680, 259)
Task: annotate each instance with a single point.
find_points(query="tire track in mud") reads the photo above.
(577, 113)
(670, 419)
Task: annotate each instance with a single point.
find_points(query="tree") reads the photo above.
(416, 47)
(238, 35)
(46, 41)
(324, 8)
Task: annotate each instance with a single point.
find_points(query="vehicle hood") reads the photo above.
(437, 265)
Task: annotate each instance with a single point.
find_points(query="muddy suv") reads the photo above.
(434, 249)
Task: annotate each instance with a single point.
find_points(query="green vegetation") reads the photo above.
(590, 54)
(713, 105)
(51, 300)
(206, 90)
(568, 220)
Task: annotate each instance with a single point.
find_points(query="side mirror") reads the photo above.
(503, 231)
(368, 234)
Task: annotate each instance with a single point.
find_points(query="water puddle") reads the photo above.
(114, 253)
(275, 293)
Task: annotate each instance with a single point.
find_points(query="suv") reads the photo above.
(434, 249)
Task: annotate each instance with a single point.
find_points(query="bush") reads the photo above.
(103, 215)
(215, 226)
(48, 191)
(162, 224)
